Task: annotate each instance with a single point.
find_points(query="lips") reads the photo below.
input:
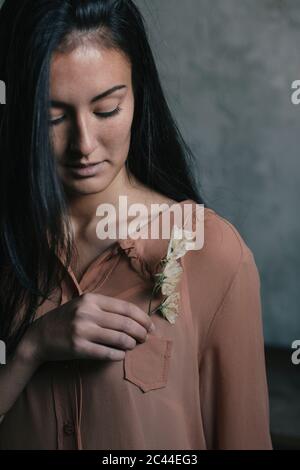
(83, 165)
(81, 170)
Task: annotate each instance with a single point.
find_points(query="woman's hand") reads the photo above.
(92, 326)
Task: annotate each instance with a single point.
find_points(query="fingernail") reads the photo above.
(152, 327)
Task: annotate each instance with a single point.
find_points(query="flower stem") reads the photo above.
(154, 309)
(154, 289)
(156, 286)
(149, 313)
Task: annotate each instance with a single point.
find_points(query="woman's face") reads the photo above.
(86, 128)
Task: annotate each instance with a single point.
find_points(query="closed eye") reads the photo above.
(109, 114)
(54, 122)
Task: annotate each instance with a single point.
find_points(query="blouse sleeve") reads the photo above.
(233, 385)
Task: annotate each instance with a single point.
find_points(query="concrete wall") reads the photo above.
(227, 68)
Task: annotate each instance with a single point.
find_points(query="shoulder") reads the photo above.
(211, 270)
(223, 245)
(217, 260)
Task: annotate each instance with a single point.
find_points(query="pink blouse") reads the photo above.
(197, 384)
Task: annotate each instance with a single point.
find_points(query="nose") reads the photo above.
(83, 139)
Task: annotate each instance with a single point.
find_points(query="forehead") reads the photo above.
(86, 70)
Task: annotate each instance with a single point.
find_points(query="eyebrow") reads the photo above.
(57, 104)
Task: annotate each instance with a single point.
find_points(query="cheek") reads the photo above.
(118, 133)
(58, 140)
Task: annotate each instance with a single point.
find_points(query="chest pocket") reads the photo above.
(147, 365)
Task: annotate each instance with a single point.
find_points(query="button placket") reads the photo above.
(68, 428)
(62, 380)
(105, 268)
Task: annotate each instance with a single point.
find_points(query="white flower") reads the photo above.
(170, 276)
(168, 279)
(178, 242)
(170, 306)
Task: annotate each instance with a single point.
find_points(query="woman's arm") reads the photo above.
(224, 288)
(233, 385)
(15, 375)
(82, 328)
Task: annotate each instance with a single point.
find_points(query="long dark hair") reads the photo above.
(33, 210)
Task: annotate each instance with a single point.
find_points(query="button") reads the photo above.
(68, 428)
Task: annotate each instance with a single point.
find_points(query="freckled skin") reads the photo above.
(75, 78)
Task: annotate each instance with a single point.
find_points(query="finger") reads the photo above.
(122, 307)
(90, 350)
(111, 321)
(109, 337)
(122, 323)
(119, 323)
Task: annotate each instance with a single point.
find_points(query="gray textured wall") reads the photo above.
(227, 68)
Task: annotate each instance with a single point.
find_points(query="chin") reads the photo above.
(85, 186)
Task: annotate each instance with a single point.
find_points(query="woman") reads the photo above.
(86, 122)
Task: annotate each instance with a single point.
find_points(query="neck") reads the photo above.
(82, 207)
